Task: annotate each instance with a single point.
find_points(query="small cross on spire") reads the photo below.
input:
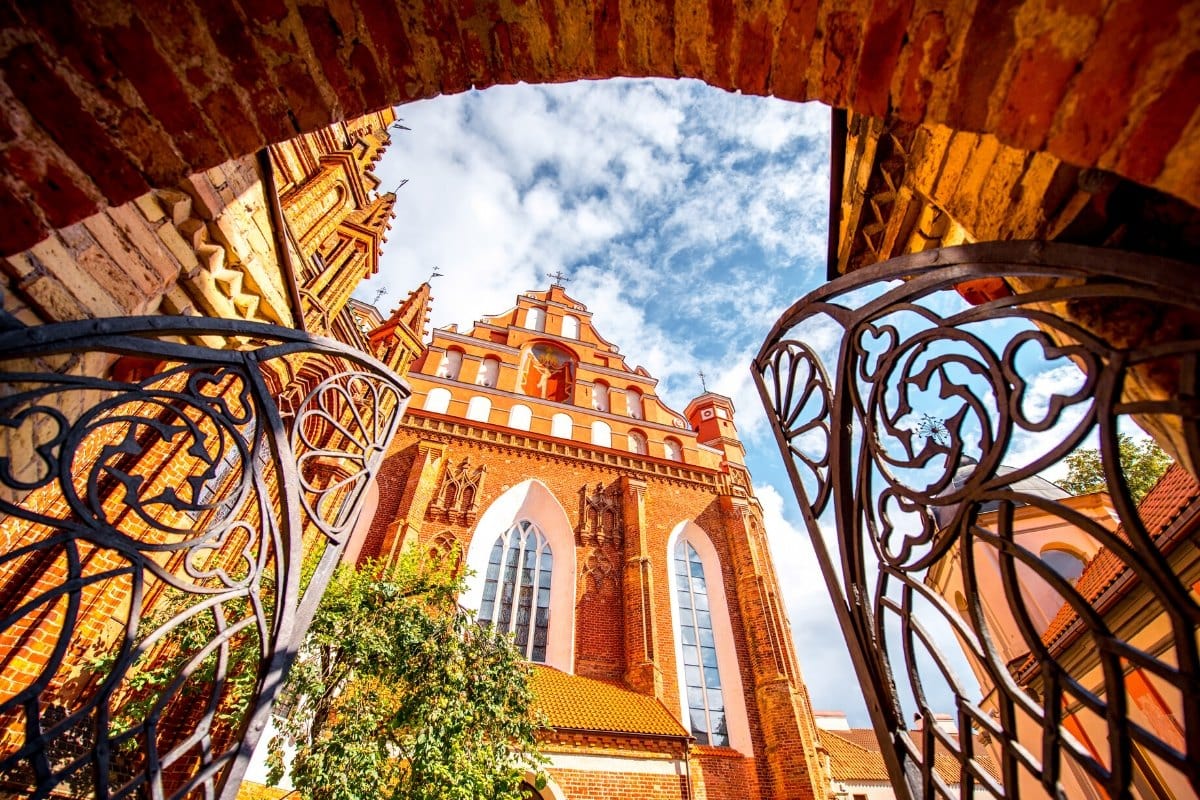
(559, 278)
(437, 273)
(703, 385)
(380, 292)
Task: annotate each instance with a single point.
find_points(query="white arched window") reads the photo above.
(633, 403)
(479, 409)
(516, 589)
(450, 365)
(673, 449)
(527, 508)
(600, 396)
(438, 400)
(601, 434)
(519, 417)
(710, 683)
(561, 426)
(535, 319)
(570, 326)
(637, 442)
(489, 372)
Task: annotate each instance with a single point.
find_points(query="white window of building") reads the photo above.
(710, 684)
(562, 426)
(438, 400)
(520, 417)
(600, 396)
(516, 589)
(601, 434)
(479, 409)
(535, 319)
(674, 449)
(489, 372)
(570, 326)
(633, 403)
(702, 674)
(450, 365)
(637, 442)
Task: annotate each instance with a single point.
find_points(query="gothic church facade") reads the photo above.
(619, 541)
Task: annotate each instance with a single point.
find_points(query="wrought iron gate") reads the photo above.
(915, 429)
(167, 531)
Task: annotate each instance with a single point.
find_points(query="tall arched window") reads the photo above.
(601, 434)
(438, 400)
(479, 409)
(570, 326)
(633, 403)
(519, 417)
(702, 677)
(489, 372)
(600, 396)
(516, 591)
(637, 442)
(673, 449)
(450, 365)
(535, 319)
(561, 426)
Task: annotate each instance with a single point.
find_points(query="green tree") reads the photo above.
(1142, 463)
(398, 693)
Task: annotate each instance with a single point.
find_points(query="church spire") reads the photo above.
(402, 335)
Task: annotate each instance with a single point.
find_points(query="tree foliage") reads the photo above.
(1142, 463)
(398, 693)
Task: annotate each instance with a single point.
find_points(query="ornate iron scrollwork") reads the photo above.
(168, 530)
(916, 430)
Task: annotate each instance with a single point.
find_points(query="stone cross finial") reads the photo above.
(703, 385)
(559, 278)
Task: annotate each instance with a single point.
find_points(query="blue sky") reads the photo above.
(687, 218)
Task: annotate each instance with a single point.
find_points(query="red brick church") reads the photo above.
(618, 540)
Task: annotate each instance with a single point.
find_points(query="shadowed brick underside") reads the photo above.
(103, 99)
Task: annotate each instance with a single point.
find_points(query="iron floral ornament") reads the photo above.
(919, 431)
(167, 531)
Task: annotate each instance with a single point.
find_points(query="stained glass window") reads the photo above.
(706, 704)
(516, 589)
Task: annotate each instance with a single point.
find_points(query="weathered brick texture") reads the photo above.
(101, 100)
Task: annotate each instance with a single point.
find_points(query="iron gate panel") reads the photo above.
(168, 532)
(914, 428)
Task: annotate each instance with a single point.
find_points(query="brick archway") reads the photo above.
(105, 98)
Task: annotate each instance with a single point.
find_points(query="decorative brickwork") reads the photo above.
(103, 102)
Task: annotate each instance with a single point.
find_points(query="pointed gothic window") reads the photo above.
(516, 592)
(702, 679)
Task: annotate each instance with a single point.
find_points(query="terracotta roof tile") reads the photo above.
(576, 702)
(855, 756)
(1175, 491)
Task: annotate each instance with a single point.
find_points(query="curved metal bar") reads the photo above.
(921, 433)
(165, 540)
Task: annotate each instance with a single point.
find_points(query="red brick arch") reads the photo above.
(102, 99)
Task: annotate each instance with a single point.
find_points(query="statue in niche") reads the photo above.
(549, 373)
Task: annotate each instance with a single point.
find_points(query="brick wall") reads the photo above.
(107, 99)
(607, 639)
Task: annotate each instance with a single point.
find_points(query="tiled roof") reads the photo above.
(854, 756)
(1175, 491)
(579, 703)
